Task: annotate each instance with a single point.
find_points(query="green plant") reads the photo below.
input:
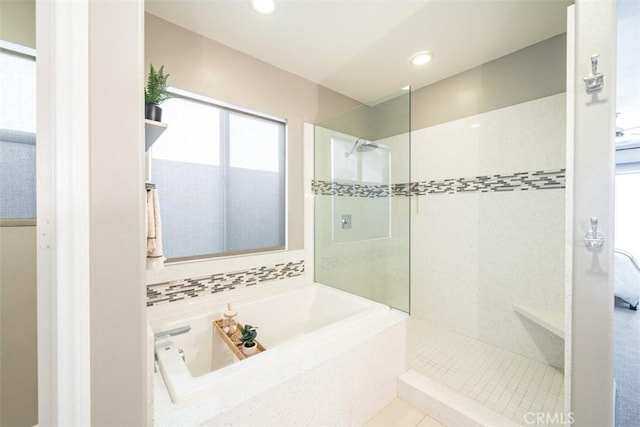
(156, 91)
(249, 334)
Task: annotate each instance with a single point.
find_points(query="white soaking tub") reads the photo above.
(296, 327)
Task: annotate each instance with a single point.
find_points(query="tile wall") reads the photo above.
(182, 289)
(480, 245)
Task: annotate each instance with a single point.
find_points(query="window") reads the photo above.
(220, 175)
(627, 209)
(627, 197)
(17, 133)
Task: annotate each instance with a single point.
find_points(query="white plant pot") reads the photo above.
(248, 351)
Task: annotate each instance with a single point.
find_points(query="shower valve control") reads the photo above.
(346, 222)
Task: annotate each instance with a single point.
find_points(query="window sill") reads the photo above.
(17, 222)
(200, 258)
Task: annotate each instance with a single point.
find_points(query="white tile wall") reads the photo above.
(524, 137)
(474, 255)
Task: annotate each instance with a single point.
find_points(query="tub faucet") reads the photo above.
(173, 332)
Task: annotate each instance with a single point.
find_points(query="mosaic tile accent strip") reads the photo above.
(518, 181)
(332, 188)
(162, 293)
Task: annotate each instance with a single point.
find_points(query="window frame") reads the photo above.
(226, 109)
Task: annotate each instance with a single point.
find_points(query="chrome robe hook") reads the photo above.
(595, 81)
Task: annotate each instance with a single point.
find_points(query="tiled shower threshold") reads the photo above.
(513, 386)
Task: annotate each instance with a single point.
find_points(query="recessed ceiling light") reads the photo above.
(263, 6)
(421, 58)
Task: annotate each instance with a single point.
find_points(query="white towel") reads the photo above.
(155, 257)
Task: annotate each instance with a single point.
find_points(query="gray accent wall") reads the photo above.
(531, 73)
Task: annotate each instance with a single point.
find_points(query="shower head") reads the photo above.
(366, 146)
(362, 146)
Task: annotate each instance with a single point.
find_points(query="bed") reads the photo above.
(627, 286)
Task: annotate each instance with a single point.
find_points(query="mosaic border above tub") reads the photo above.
(162, 293)
(517, 181)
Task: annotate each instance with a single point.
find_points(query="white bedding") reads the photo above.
(627, 286)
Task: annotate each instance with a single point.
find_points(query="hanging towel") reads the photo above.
(155, 257)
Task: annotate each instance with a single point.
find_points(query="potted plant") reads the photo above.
(155, 93)
(248, 337)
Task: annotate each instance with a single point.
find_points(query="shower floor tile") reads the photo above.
(507, 383)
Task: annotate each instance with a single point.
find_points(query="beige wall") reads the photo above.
(18, 22)
(18, 330)
(18, 356)
(202, 66)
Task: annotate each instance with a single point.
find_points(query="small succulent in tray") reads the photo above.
(249, 335)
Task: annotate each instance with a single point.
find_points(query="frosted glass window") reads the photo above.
(220, 175)
(254, 143)
(194, 134)
(17, 135)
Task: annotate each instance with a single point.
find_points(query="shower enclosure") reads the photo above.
(362, 208)
(458, 219)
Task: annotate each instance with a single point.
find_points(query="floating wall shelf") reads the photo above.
(152, 130)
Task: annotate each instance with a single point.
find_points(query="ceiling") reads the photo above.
(361, 48)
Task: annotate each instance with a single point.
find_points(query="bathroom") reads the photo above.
(464, 262)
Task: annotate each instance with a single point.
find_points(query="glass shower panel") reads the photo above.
(362, 211)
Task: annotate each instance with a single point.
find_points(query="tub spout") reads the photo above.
(173, 332)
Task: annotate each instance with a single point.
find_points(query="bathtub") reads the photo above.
(299, 328)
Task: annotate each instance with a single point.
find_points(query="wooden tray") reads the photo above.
(233, 341)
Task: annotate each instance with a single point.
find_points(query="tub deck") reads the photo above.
(282, 386)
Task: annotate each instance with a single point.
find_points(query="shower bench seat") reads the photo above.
(553, 321)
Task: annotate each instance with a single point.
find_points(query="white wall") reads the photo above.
(593, 166)
(476, 254)
(118, 316)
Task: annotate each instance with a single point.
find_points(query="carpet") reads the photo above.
(626, 365)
